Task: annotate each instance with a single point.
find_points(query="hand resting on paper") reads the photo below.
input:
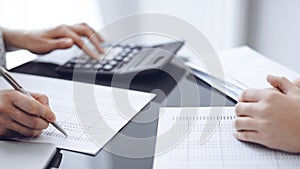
(21, 115)
(271, 116)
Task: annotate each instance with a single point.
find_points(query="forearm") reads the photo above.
(14, 39)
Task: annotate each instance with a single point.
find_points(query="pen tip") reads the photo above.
(65, 134)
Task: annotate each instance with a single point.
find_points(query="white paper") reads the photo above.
(18, 57)
(221, 150)
(59, 56)
(243, 68)
(251, 67)
(83, 117)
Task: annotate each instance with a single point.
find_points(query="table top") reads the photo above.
(174, 86)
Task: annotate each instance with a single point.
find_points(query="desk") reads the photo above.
(169, 93)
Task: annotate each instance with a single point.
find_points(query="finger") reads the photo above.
(32, 122)
(297, 82)
(94, 32)
(67, 32)
(85, 30)
(90, 53)
(249, 136)
(91, 36)
(282, 83)
(250, 95)
(246, 109)
(245, 123)
(24, 131)
(32, 107)
(41, 98)
(62, 43)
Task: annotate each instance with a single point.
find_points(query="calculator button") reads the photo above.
(81, 60)
(103, 62)
(109, 57)
(119, 58)
(130, 55)
(94, 61)
(77, 66)
(125, 60)
(134, 51)
(108, 67)
(127, 50)
(112, 53)
(113, 62)
(98, 66)
(123, 54)
(72, 60)
(88, 66)
(69, 65)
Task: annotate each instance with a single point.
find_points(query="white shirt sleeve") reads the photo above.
(2, 51)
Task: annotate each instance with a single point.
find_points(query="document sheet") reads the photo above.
(243, 68)
(219, 150)
(90, 114)
(251, 68)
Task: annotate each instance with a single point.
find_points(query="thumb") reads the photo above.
(61, 43)
(281, 83)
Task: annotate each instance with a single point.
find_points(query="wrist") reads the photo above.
(14, 39)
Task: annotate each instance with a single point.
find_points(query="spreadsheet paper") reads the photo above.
(219, 150)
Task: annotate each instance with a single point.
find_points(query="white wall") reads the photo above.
(35, 14)
(115, 9)
(221, 21)
(274, 30)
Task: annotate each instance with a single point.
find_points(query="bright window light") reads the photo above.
(35, 14)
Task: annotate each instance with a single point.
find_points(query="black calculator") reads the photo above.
(124, 59)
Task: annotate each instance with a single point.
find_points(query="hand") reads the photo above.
(297, 82)
(23, 116)
(270, 116)
(61, 37)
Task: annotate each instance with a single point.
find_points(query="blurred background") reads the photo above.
(272, 27)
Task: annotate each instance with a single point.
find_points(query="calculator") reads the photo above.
(122, 59)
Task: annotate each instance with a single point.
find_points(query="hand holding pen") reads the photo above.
(23, 114)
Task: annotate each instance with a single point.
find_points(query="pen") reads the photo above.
(19, 88)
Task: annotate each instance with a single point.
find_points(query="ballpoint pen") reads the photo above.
(19, 88)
